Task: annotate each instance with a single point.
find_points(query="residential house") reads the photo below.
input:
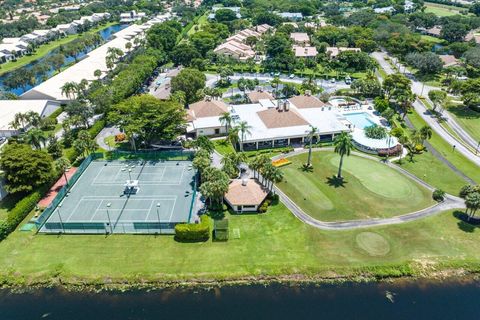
(449, 60)
(300, 38)
(434, 31)
(236, 10)
(66, 29)
(305, 52)
(292, 16)
(259, 94)
(203, 117)
(333, 52)
(128, 17)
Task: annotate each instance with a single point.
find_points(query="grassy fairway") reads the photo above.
(456, 158)
(370, 189)
(468, 119)
(271, 244)
(427, 167)
(441, 10)
(45, 49)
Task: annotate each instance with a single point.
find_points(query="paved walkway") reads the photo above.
(450, 202)
(52, 193)
(420, 89)
(106, 132)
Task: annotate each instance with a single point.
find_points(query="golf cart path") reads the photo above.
(450, 202)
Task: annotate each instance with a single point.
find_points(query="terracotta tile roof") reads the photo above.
(305, 51)
(306, 101)
(206, 108)
(256, 96)
(252, 193)
(300, 37)
(449, 60)
(274, 118)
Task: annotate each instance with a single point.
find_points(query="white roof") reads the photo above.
(326, 122)
(8, 109)
(51, 89)
(206, 122)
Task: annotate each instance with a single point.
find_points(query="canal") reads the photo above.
(408, 300)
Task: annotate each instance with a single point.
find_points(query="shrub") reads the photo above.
(419, 148)
(264, 207)
(18, 213)
(193, 232)
(96, 128)
(375, 132)
(438, 195)
(397, 132)
(120, 137)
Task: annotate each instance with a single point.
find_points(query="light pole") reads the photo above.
(158, 214)
(60, 217)
(108, 216)
(130, 174)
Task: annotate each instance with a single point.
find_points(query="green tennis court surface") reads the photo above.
(100, 201)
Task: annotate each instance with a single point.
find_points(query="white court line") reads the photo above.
(145, 183)
(111, 210)
(136, 198)
(96, 210)
(76, 207)
(173, 208)
(149, 210)
(96, 177)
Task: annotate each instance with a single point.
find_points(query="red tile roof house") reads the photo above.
(449, 60)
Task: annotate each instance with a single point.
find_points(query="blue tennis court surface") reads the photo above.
(100, 202)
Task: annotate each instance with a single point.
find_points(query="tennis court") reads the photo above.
(134, 196)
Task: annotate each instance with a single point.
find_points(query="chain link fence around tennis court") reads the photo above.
(154, 155)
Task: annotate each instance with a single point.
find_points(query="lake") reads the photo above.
(106, 34)
(408, 300)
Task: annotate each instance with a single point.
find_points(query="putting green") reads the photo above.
(369, 189)
(373, 243)
(378, 178)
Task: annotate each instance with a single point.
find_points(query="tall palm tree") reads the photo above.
(243, 128)
(69, 89)
(472, 202)
(426, 133)
(19, 121)
(311, 134)
(33, 119)
(62, 164)
(226, 120)
(343, 145)
(36, 138)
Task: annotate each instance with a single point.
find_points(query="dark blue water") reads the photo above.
(414, 300)
(106, 34)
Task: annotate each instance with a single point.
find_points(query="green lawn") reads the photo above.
(271, 244)
(467, 118)
(369, 190)
(45, 49)
(427, 167)
(469, 168)
(441, 10)
(223, 146)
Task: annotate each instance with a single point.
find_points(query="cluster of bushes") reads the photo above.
(438, 195)
(120, 137)
(71, 154)
(272, 199)
(193, 232)
(18, 213)
(375, 132)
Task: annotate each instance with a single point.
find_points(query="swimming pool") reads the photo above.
(360, 120)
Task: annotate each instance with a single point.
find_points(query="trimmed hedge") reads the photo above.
(18, 213)
(193, 232)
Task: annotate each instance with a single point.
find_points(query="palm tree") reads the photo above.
(36, 138)
(343, 145)
(243, 128)
(226, 120)
(426, 133)
(33, 119)
(62, 164)
(311, 134)
(472, 202)
(19, 121)
(97, 73)
(233, 136)
(69, 89)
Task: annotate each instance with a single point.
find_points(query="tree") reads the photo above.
(201, 161)
(258, 163)
(24, 168)
(204, 41)
(472, 57)
(80, 110)
(214, 185)
(56, 61)
(472, 202)
(204, 143)
(343, 145)
(146, 118)
(467, 189)
(35, 138)
(398, 87)
(20, 121)
(427, 63)
(289, 90)
(69, 89)
(313, 133)
(225, 15)
(438, 98)
(84, 144)
(226, 120)
(54, 147)
(191, 81)
(61, 165)
(21, 78)
(97, 73)
(453, 31)
(244, 128)
(162, 36)
(426, 133)
(368, 87)
(183, 54)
